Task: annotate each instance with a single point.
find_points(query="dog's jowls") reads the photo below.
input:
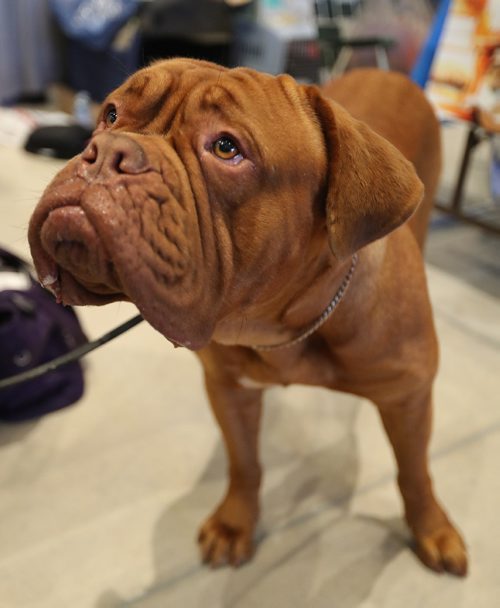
(228, 206)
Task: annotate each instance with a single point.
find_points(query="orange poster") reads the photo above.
(465, 55)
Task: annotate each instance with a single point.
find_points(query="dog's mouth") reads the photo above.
(72, 262)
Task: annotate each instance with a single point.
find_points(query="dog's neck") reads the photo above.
(299, 315)
(321, 319)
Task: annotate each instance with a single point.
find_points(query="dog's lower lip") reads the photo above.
(69, 239)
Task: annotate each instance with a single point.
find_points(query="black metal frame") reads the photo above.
(476, 135)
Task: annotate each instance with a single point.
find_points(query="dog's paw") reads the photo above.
(226, 537)
(443, 551)
(222, 545)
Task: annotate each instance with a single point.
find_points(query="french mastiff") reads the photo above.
(275, 229)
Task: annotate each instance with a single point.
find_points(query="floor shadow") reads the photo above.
(377, 543)
(305, 517)
(12, 433)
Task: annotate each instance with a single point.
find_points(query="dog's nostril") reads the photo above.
(118, 162)
(90, 153)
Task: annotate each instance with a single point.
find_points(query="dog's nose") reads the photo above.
(109, 154)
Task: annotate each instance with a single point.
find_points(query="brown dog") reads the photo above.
(238, 211)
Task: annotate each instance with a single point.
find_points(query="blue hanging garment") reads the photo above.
(93, 22)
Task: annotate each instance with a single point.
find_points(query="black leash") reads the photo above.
(73, 355)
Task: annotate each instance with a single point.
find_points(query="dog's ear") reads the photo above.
(371, 188)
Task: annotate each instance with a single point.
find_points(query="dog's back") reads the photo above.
(397, 109)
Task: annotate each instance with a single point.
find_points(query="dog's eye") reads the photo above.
(110, 116)
(225, 148)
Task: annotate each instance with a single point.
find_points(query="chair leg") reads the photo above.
(382, 57)
(342, 61)
(473, 138)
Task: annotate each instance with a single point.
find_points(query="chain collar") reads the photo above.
(321, 319)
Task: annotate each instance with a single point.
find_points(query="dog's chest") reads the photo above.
(254, 370)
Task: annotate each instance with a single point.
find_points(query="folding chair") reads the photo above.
(337, 48)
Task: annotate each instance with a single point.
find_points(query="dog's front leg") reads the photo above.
(226, 537)
(408, 425)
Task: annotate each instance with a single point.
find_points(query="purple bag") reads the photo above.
(33, 330)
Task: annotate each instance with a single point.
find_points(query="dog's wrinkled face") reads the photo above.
(185, 155)
(206, 190)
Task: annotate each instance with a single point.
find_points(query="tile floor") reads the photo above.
(99, 503)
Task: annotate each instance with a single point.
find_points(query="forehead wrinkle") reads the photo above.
(221, 99)
(145, 88)
(137, 85)
(231, 94)
(155, 107)
(267, 93)
(232, 91)
(159, 102)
